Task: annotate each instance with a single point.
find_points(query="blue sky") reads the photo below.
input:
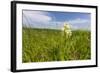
(55, 20)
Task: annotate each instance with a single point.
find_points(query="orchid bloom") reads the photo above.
(67, 30)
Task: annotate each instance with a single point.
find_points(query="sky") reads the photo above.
(55, 20)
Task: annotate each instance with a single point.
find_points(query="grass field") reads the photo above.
(42, 45)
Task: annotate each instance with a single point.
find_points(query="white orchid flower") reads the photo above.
(66, 30)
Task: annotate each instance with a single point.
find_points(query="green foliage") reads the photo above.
(42, 45)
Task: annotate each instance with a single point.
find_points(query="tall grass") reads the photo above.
(42, 45)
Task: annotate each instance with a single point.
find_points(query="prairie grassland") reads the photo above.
(43, 45)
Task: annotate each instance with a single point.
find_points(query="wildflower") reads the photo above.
(66, 30)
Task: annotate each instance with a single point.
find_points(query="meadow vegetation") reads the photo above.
(45, 45)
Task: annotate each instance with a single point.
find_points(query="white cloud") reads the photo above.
(78, 21)
(30, 17)
(39, 19)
